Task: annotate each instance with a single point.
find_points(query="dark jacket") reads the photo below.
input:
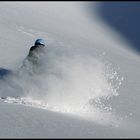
(33, 61)
(35, 53)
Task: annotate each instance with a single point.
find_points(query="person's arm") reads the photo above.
(31, 50)
(25, 61)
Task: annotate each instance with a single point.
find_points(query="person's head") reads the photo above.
(40, 42)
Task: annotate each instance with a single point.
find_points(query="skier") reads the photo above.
(36, 51)
(33, 61)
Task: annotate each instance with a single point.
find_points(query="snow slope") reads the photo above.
(88, 85)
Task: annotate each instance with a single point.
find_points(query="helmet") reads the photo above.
(40, 42)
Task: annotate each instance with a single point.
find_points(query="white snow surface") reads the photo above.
(88, 86)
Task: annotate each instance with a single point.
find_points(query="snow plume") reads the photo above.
(72, 82)
(81, 84)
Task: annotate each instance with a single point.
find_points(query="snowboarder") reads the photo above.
(33, 60)
(36, 51)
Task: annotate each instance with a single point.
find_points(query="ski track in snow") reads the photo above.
(33, 33)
